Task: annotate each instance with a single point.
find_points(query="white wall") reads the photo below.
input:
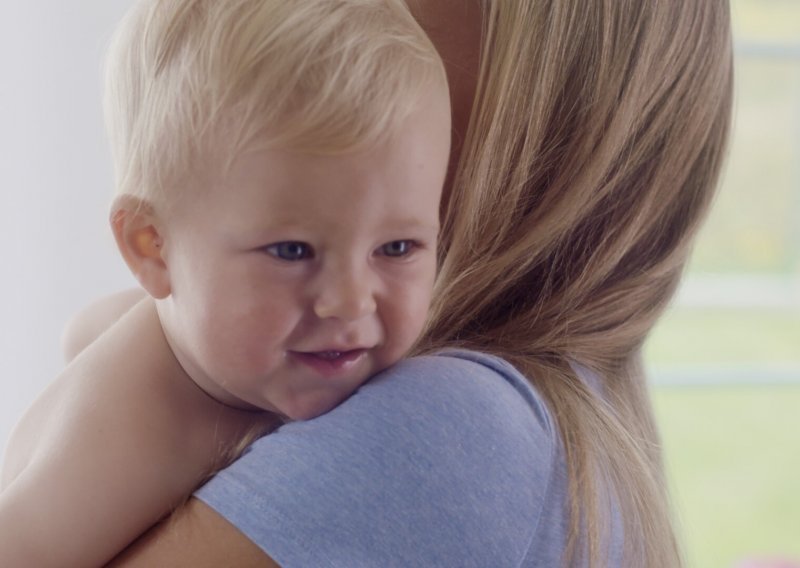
(56, 252)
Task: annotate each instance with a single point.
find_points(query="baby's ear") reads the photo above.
(138, 232)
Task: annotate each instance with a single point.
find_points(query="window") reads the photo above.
(725, 360)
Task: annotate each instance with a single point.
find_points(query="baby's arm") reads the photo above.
(111, 446)
(95, 318)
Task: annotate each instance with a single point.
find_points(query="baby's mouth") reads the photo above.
(330, 363)
(329, 355)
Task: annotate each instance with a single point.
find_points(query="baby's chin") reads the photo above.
(313, 405)
(308, 410)
(310, 405)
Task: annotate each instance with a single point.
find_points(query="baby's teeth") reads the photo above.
(330, 354)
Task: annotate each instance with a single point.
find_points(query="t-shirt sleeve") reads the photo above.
(438, 461)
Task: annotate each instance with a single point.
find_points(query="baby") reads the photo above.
(279, 171)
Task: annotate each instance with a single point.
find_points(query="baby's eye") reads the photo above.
(398, 248)
(290, 250)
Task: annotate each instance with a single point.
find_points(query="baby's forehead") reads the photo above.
(407, 162)
(392, 187)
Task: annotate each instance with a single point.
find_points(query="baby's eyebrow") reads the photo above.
(412, 223)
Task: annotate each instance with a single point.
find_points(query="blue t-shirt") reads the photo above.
(443, 460)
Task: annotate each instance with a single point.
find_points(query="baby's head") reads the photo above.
(279, 169)
(193, 83)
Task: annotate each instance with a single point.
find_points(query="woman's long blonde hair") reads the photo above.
(594, 148)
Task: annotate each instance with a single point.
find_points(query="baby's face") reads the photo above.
(297, 277)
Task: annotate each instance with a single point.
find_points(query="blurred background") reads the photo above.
(55, 186)
(725, 361)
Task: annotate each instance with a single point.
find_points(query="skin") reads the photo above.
(77, 454)
(454, 27)
(459, 47)
(295, 258)
(196, 535)
(259, 285)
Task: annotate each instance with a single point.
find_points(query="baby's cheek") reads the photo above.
(259, 349)
(236, 350)
(419, 307)
(408, 320)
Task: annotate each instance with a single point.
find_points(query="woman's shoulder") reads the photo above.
(469, 387)
(443, 458)
(463, 401)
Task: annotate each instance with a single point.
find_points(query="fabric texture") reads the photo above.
(443, 460)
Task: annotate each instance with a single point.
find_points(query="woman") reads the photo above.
(588, 138)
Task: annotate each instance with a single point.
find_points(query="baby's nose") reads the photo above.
(346, 296)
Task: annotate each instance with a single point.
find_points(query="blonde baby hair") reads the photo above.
(592, 156)
(187, 80)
